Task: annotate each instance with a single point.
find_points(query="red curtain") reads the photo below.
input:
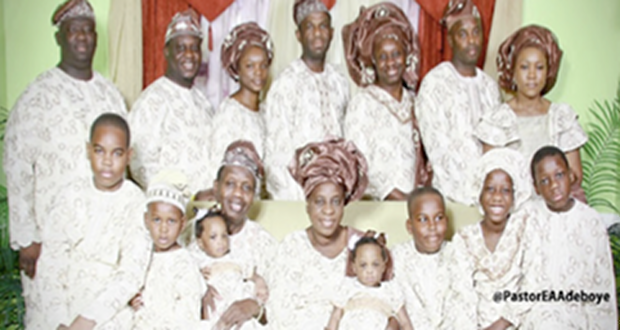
(433, 36)
(156, 15)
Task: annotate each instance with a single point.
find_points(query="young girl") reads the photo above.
(528, 63)
(368, 300)
(491, 252)
(173, 289)
(231, 275)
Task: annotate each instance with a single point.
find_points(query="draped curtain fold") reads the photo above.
(125, 47)
(433, 36)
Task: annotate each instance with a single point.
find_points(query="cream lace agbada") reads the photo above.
(256, 244)
(45, 143)
(301, 107)
(301, 284)
(381, 127)
(559, 127)
(448, 108)
(232, 122)
(94, 257)
(170, 127)
(45, 147)
(172, 293)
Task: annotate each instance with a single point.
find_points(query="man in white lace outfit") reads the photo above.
(307, 101)
(451, 101)
(46, 134)
(170, 122)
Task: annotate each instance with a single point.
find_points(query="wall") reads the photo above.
(3, 100)
(30, 45)
(589, 35)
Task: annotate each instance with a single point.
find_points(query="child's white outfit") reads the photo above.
(570, 251)
(172, 294)
(367, 307)
(229, 276)
(94, 258)
(428, 284)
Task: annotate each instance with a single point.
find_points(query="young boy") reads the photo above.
(173, 290)
(572, 253)
(96, 252)
(422, 265)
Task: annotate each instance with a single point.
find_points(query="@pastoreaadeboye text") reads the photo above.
(552, 296)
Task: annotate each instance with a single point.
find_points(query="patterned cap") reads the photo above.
(457, 10)
(72, 9)
(511, 162)
(169, 186)
(334, 160)
(303, 8)
(242, 36)
(184, 23)
(528, 36)
(384, 20)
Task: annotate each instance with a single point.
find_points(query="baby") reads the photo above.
(231, 275)
(368, 300)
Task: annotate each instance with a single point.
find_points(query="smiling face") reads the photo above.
(389, 60)
(497, 196)
(530, 73)
(253, 69)
(369, 264)
(109, 155)
(427, 223)
(465, 39)
(165, 222)
(552, 180)
(77, 39)
(234, 190)
(214, 240)
(315, 34)
(183, 56)
(325, 207)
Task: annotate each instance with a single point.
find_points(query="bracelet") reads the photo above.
(261, 312)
